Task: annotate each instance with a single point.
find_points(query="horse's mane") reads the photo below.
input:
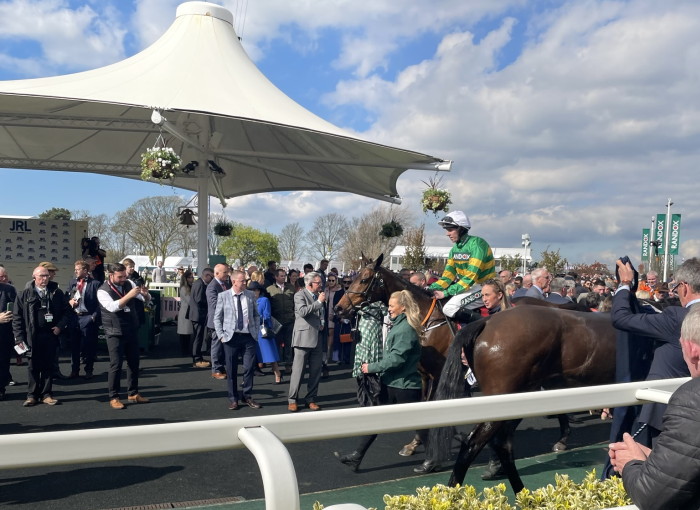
(406, 285)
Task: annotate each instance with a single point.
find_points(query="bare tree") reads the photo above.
(154, 225)
(327, 236)
(363, 235)
(291, 242)
(102, 226)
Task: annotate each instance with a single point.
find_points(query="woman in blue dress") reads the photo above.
(266, 347)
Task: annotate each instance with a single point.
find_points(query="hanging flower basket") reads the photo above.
(391, 229)
(223, 228)
(434, 197)
(159, 163)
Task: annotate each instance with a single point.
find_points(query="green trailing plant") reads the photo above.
(223, 228)
(590, 494)
(434, 197)
(391, 229)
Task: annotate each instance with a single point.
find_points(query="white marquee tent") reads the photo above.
(197, 84)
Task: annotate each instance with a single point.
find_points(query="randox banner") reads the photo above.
(646, 238)
(660, 232)
(674, 239)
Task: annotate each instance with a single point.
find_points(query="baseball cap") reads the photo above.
(49, 266)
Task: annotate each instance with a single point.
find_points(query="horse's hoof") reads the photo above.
(559, 447)
(494, 471)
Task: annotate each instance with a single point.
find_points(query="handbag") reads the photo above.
(345, 338)
(276, 325)
(264, 332)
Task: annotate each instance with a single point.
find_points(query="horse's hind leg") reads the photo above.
(503, 446)
(564, 431)
(471, 448)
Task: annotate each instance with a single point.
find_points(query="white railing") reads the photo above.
(76, 446)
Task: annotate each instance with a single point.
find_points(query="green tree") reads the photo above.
(249, 245)
(415, 256)
(553, 261)
(513, 264)
(56, 213)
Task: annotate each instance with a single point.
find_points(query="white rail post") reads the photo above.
(276, 466)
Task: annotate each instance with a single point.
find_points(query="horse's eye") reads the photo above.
(365, 280)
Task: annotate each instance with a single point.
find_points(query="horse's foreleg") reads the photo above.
(564, 431)
(503, 446)
(470, 448)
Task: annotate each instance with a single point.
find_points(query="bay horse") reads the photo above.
(524, 348)
(376, 283)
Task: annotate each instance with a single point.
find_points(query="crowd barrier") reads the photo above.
(265, 435)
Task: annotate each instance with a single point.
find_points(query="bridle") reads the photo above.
(377, 281)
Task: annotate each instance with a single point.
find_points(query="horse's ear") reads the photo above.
(363, 259)
(378, 264)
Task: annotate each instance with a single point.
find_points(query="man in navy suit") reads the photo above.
(664, 327)
(198, 312)
(219, 284)
(557, 292)
(82, 297)
(237, 324)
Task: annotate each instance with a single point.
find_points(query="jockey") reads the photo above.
(469, 264)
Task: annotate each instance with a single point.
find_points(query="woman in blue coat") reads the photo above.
(266, 347)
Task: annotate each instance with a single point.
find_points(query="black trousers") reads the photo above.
(40, 367)
(390, 396)
(199, 336)
(121, 347)
(83, 342)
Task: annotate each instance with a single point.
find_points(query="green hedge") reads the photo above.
(590, 494)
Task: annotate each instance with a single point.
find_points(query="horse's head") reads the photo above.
(367, 287)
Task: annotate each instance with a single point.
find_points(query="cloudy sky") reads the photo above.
(573, 121)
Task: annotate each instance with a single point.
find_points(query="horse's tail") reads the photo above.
(452, 384)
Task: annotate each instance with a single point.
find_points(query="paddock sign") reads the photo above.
(646, 234)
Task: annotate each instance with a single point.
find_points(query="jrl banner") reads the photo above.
(646, 238)
(675, 236)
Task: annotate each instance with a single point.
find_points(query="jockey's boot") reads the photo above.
(352, 460)
(428, 466)
(494, 471)
(410, 448)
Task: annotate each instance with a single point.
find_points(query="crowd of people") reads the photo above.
(286, 319)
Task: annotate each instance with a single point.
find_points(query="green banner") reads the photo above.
(660, 232)
(646, 237)
(674, 239)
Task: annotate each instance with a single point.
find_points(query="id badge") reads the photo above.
(48, 317)
(126, 309)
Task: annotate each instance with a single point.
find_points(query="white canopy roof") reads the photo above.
(218, 105)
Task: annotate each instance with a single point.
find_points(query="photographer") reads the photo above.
(91, 249)
(119, 299)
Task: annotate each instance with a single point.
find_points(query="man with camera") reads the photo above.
(117, 297)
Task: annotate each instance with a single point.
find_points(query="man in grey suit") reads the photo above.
(306, 341)
(540, 283)
(219, 284)
(198, 312)
(237, 324)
